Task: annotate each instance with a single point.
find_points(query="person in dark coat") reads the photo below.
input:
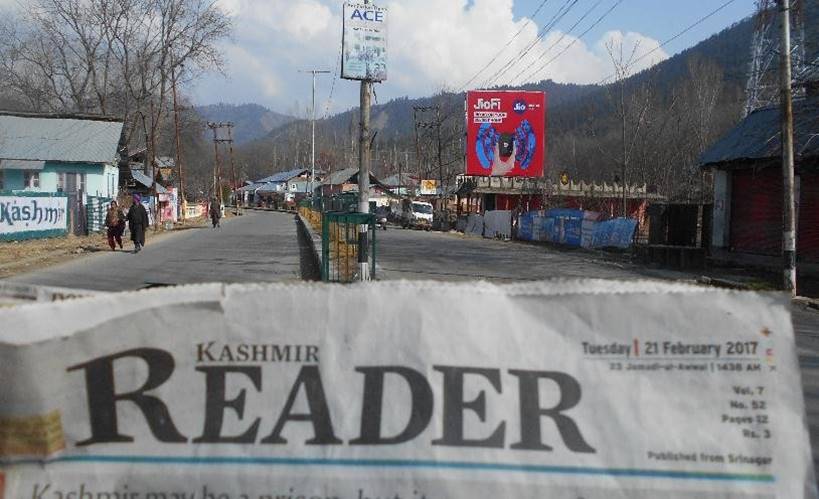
(215, 212)
(137, 223)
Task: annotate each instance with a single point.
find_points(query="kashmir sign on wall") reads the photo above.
(364, 42)
(506, 133)
(32, 215)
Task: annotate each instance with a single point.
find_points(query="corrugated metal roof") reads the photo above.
(407, 179)
(59, 139)
(341, 176)
(147, 181)
(21, 164)
(758, 136)
(282, 176)
(267, 187)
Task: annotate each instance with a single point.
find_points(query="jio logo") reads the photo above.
(519, 106)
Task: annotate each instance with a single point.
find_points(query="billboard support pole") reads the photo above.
(364, 178)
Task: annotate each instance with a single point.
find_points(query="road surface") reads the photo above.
(412, 254)
(255, 247)
(263, 247)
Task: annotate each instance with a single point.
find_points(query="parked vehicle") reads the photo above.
(416, 214)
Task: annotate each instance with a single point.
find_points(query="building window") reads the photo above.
(61, 182)
(2, 181)
(80, 182)
(31, 179)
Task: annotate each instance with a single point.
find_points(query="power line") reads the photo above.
(557, 42)
(504, 47)
(681, 33)
(333, 84)
(561, 13)
(565, 49)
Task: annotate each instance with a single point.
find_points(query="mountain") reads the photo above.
(251, 121)
(393, 124)
(669, 114)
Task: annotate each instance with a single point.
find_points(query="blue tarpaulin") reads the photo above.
(576, 228)
(615, 233)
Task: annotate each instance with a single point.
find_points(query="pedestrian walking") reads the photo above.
(115, 222)
(215, 212)
(137, 223)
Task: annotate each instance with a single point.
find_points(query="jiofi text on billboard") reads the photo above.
(506, 133)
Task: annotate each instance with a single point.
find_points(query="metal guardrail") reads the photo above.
(335, 218)
(341, 250)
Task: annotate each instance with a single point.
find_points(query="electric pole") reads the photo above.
(786, 115)
(232, 167)
(217, 173)
(314, 72)
(217, 165)
(180, 178)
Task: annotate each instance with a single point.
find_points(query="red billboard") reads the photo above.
(505, 133)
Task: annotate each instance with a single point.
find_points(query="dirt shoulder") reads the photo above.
(17, 257)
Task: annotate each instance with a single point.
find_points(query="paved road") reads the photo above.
(256, 247)
(409, 254)
(413, 254)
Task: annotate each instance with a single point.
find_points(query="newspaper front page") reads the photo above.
(568, 389)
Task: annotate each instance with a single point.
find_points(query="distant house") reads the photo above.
(275, 186)
(748, 187)
(405, 185)
(71, 154)
(346, 180)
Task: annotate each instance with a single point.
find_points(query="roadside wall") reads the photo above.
(32, 215)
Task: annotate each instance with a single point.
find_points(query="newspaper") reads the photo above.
(566, 389)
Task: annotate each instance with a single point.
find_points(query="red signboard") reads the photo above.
(505, 133)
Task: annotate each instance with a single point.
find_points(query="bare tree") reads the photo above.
(111, 57)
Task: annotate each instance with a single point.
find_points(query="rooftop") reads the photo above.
(63, 138)
(758, 135)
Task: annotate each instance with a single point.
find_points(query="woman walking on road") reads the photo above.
(115, 221)
(137, 223)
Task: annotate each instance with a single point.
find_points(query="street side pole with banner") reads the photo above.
(364, 58)
(570, 389)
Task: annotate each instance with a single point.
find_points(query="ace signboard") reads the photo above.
(364, 42)
(506, 133)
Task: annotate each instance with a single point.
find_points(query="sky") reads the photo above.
(442, 44)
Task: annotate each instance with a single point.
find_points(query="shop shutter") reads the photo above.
(808, 230)
(756, 211)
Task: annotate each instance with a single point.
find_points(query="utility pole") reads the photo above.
(217, 166)
(232, 167)
(364, 178)
(180, 178)
(625, 146)
(314, 72)
(217, 173)
(440, 166)
(786, 115)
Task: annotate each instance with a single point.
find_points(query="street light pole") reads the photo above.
(314, 72)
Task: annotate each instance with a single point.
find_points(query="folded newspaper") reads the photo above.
(567, 389)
